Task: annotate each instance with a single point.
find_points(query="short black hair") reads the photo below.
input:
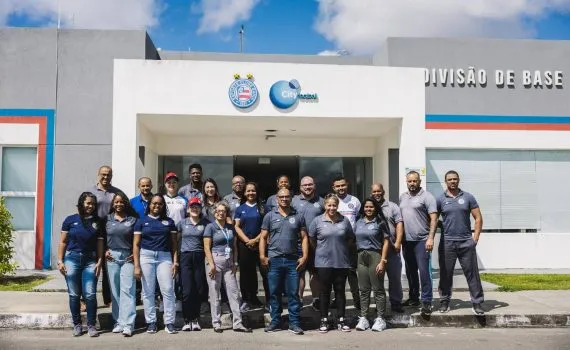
(450, 172)
(194, 166)
(282, 176)
(413, 172)
(339, 178)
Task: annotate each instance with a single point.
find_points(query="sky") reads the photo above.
(326, 27)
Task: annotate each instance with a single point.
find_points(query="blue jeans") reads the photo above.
(81, 279)
(283, 276)
(122, 283)
(157, 265)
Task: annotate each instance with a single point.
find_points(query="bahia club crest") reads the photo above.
(243, 93)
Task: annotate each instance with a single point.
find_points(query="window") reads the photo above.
(518, 191)
(18, 185)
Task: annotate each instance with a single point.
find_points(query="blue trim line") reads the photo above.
(449, 118)
(48, 176)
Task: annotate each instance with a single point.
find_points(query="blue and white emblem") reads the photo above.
(243, 93)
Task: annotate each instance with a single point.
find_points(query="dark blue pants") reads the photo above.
(418, 259)
(192, 271)
(394, 273)
(283, 275)
(449, 252)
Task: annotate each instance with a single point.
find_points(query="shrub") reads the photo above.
(7, 265)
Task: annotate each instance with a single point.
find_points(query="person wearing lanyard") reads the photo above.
(80, 255)
(372, 245)
(221, 264)
(192, 272)
(331, 237)
(155, 254)
(119, 228)
(248, 219)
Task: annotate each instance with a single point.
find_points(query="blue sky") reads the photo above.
(297, 26)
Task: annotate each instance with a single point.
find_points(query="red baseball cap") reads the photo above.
(170, 175)
(194, 201)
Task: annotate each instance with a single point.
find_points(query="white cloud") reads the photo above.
(361, 26)
(92, 14)
(222, 14)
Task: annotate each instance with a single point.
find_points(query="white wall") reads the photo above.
(497, 139)
(199, 88)
(24, 241)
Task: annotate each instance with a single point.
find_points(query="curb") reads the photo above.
(310, 319)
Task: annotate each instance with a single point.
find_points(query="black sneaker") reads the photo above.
(272, 328)
(426, 308)
(296, 330)
(151, 328)
(324, 327)
(444, 306)
(478, 310)
(411, 302)
(316, 304)
(342, 325)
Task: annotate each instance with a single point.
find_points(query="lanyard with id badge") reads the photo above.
(228, 249)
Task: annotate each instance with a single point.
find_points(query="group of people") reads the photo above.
(189, 242)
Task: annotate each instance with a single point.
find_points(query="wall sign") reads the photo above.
(284, 94)
(473, 77)
(243, 93)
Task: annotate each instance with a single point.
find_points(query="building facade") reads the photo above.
(496, 111)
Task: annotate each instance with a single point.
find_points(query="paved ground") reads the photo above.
(417, 338)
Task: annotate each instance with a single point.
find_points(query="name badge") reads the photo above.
(227, 252)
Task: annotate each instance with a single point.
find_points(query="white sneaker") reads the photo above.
(187, 327)
(379, 325)
(127, 332)
(196, 326)
(117, 329)
(363, 324)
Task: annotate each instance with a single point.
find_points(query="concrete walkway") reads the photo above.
(47, 307)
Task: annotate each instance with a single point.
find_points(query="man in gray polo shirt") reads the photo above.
(393, 216)
(280, 230)
(309, 205)
(419, 211)
(455, 207)
(234, 199)
(104, 192)
(194, 188)
(271, 202)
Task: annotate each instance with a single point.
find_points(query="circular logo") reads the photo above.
(165, 222)
(292, 220)
(351, 206)
(200, 228)
(243, 93)
(461, 201)
(317, 205)
(371, 227)
(284, 94)
(94, 225)
(128, 223)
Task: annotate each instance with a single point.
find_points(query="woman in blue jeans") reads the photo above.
(119, 228)
(79, 259)
(155, 253)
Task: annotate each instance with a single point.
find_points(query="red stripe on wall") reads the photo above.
(498, 126)
(40, 190)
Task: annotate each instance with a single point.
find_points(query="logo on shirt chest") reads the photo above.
(75, 223)
(94, 225)
(461, 201)
(316, 205)
(371, 227)
(128, 223)
(291, 220)
(200, 228)
(350, 205)
(165, 222)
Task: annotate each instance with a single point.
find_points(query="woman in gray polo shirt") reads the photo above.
(220, 246)
(119, 226)
(372, 232)
(331, 235)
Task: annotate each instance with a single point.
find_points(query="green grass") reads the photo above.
(518, 282)
(21, 283)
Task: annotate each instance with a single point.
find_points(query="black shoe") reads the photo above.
(316, 304)
(272, 328)
(324, 327)
(426, 308)
(444, 306)
(478, 310)
(333, 304)
(296, 330)
(411, 302)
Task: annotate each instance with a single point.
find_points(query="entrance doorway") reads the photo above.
(264, 170)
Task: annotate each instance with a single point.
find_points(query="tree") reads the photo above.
(7, 265)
